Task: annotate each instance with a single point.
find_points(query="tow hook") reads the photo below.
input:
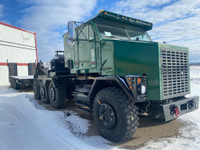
(174, 110)
(191, 104)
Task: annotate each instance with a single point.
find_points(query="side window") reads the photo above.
(83, 33)
(87, 33)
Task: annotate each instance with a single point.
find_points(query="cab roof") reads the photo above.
(124, 19)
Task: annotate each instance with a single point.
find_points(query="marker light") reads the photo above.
(129, 78)
(139, 80)
(105, 13)
(131, 87)
(101, 11)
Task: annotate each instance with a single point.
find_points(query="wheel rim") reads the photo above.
(52, 94)
(42, 92)
(107, 115)
(35, 90)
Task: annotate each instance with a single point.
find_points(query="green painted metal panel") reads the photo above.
(107, 50)
(138, 58)
(85, 54)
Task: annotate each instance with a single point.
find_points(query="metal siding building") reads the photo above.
(18, 49)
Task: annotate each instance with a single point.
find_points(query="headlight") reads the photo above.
(143, 89)
(137, 85)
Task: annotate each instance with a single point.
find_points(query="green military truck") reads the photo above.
(112, 69)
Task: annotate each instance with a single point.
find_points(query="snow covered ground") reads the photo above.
(27, 125)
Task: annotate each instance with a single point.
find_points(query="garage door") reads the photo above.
(22, 70)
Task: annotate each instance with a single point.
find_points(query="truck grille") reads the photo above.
(175, 73)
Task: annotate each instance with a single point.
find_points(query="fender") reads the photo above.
(105, 80)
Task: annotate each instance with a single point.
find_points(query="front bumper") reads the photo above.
(173, 110)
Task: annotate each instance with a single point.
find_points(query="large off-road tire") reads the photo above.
(57, 96)
(115, 115)
(36, 90)
(44, 93)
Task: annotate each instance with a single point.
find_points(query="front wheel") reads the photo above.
(115, 115)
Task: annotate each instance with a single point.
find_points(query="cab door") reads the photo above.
(86, 48)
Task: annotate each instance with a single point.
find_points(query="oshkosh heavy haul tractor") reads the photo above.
(113, 70)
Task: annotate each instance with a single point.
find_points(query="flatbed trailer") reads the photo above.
(21, 82)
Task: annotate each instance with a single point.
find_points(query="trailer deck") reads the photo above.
(21, 82)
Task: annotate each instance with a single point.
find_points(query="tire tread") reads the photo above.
(129, 110)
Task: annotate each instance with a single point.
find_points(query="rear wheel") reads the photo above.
(57, 96)
(36, 90)
(44, 93)
(115, 115)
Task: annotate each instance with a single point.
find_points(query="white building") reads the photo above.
(18, 52)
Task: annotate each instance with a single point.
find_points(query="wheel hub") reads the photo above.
(42, 92)
(35, 90)
(107, 115)
(52, 94)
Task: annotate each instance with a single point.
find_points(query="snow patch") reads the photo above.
(25, 124)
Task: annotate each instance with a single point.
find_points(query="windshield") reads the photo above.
(120, 31)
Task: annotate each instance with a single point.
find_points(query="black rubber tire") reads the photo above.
(44, 96)
(17, 86)
(36, 90)
(59, 97)
(125, 110)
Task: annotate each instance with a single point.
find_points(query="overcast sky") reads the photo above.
(175, 21)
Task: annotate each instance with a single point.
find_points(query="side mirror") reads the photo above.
(71, 30)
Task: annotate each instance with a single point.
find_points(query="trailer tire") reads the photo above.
(115, 115)
(57, 96)
(44, 93)
(17, 86)
(36, 90)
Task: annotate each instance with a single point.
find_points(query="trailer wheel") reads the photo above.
(17, 86)
(115, 115)
(57, 96)
(44, 93)
(36, 90)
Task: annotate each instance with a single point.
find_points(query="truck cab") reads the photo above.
(97, 38)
